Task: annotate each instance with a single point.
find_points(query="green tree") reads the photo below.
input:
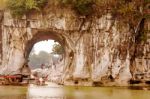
(57, 49)
(82, 7)
(21, 7)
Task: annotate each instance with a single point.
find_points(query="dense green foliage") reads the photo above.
(20, 7)
(128, 11)
(57, 49)
(82, 7)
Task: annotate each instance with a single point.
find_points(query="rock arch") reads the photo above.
(37, 36)
(96, 49)
(41, 35)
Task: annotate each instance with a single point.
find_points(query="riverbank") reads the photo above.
(81, 83)
(104, 84)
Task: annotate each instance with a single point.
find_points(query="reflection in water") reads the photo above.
(53, 91)
(12, 92)
(13, 97)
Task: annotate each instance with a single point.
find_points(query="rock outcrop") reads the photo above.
(96, 49)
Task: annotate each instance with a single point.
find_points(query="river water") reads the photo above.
(53, 91)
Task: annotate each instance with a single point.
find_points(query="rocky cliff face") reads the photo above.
(1, 17)
(97, 50)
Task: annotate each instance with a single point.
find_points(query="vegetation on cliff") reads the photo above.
(57, 49)
(21, 7)
(126, 11)
(129, 10)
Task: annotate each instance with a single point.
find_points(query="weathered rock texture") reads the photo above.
(96, 49)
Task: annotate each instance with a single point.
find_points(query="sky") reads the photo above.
(44, 46)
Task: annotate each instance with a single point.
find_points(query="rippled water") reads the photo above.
(53, 91)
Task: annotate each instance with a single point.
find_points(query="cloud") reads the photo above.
(44, 46)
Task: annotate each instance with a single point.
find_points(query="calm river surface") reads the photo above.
(54, 91)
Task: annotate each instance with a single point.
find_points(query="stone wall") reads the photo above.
(96, 49)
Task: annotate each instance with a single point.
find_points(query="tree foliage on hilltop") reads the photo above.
(128, 11)
(82, 7)
(120, 8)
(21, 7)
